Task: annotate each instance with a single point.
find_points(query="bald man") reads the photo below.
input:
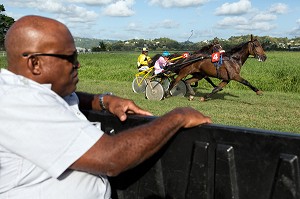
(48, 149)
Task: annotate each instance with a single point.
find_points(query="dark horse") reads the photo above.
(229, 70)
(180, 61)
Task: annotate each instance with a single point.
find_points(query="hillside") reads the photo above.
(269, 43)
(89, 42)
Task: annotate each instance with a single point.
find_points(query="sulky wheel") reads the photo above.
(165, 82)
(179, 89)
(139, 85)
(154, 91)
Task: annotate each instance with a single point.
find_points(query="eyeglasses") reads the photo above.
(70, 58)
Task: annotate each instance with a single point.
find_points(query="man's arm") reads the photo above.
(88, 101)
(113, 154)
(114, 104)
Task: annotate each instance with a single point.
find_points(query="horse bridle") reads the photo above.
(254, 51)
(253, 48)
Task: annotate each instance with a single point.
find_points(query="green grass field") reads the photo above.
(278, 109)
(279, 73)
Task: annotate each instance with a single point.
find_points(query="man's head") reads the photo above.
(165, 55)
(43, 49)
(145, 50)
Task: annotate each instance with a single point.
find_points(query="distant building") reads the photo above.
(82, 50)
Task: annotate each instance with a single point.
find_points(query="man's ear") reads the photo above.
(34, 65)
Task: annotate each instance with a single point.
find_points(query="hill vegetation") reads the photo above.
(160, 44)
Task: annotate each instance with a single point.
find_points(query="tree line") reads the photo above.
(5, 23)
(160, 44)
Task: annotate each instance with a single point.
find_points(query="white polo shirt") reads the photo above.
(41, 135)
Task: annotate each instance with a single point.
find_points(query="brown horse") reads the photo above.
(229, 70)
(204, 53)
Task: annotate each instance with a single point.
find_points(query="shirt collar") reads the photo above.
(7, 72)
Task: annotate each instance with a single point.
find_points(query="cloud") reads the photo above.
(71, 13)
(120, 9)
(229, 22)
(242, 24)
(149, 31)
(134, 30)
(165, 24)
(252, 19)
(164, 28)
(177, 3)
(92, 2)
(236, 8)
(133, 27)
(78, 14)
(207, 33)
(261, 26)
(279, 8)
(67, 13)
(295, 32)
(169, 24)
(264, 17)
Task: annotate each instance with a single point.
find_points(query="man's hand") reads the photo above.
(190, 117)
(121, 107)
(116, 105)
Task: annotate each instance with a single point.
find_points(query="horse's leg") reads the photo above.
(173, 83)
(246, 83)
(215, 90)
(188, 83)
(210, 81)
(185, 71)
(194, 79)
(189, 87)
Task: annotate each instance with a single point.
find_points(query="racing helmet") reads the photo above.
(165, 54)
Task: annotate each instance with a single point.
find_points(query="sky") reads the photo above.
(180, 20)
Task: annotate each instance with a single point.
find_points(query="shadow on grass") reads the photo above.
(221, 95)
(218, 95)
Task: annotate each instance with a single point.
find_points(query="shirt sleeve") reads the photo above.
(149, 59)
(158, 63)
(143, 60)
(43, 129)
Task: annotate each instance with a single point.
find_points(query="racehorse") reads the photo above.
(229, 69)
(205, 51)
(180, 60)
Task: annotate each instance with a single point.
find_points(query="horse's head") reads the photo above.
(256, 49)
